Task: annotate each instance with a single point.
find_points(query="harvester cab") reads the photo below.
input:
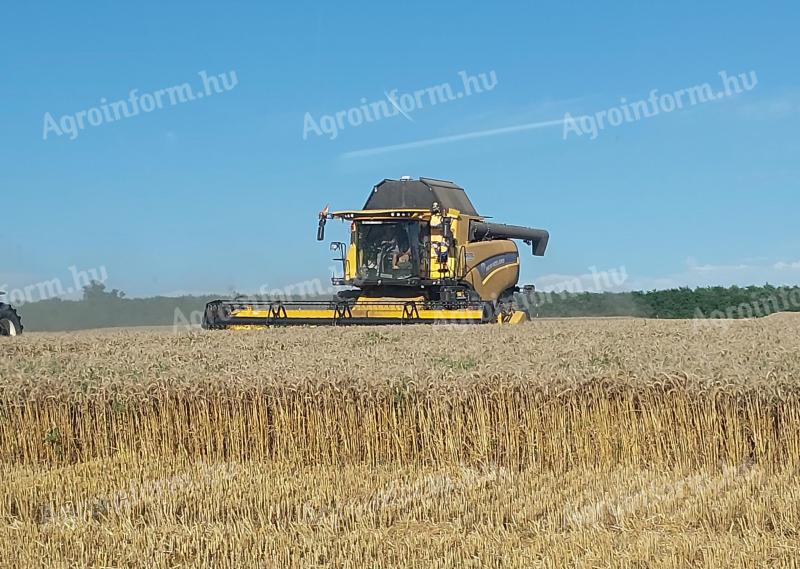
(10, 322)
(418, 253)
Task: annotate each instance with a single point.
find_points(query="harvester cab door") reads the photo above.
(388, 250)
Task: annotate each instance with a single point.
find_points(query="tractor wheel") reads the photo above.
(10, 323)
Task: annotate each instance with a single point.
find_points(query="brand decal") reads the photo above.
(492, 263)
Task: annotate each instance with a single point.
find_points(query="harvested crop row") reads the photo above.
(129, 512)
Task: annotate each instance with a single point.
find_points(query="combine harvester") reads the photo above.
(418, 253)
(10, 322)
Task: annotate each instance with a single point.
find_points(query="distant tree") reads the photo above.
(97, 291)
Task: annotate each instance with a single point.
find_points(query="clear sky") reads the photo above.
(221, 191)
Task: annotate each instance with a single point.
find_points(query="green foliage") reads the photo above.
(456, 364)
(108, 310)
(373, 338)
(709, 302)
(96, 292)
(102, 308)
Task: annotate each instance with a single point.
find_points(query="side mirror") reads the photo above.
(323, 217)
(321, 229)
(447, 229)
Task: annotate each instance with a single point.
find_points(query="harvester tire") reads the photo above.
(506, 301)
(10, 322)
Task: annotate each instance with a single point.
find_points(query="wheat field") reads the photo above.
(558, 443)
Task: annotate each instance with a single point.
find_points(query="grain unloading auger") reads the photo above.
(418, 253)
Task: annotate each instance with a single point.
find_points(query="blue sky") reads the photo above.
(221, 192)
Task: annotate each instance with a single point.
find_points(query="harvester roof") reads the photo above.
(419, 194)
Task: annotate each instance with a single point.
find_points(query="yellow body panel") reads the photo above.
(496, 280)
(382, 214)
(393, 311)
(299, 313)
(516, 317)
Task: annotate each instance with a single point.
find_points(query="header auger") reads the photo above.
(418, 253)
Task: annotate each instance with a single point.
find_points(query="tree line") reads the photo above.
(103, 308)
(684, 302)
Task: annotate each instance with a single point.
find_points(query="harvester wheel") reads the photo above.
(10, 323)
(502, 308)
(505, 303)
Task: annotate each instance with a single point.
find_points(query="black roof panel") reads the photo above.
(419, 194)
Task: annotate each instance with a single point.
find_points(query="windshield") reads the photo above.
(391, 250)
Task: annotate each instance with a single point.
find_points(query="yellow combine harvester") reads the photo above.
(418, 253)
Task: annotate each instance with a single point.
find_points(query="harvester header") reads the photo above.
(419, 252)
